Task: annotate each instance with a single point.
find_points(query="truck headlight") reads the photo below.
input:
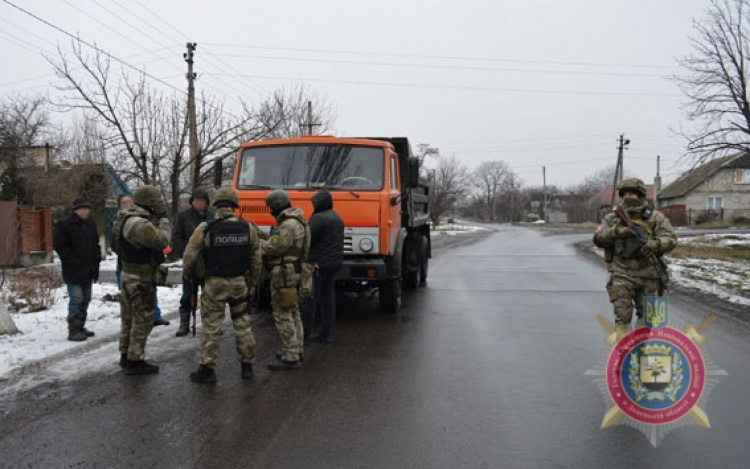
(366, 244)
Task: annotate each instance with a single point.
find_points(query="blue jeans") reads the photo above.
(80, 297)
(118, 275)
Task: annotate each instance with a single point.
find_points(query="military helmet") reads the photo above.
(227, 195)
(150, 198)
(278, 200)
(631, 185)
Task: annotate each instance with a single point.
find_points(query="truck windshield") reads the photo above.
(344, 167)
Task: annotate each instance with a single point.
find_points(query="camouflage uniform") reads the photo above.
(282, 252)
(137, 227)
(631, 280)
(219, 291)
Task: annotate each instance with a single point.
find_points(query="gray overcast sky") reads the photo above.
(529, 82)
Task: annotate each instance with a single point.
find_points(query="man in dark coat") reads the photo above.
(76, 242)
(327, 253)
(187, 221)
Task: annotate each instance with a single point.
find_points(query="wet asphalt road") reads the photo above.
(484, 369)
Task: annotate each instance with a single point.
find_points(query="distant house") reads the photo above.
(601, 203)
(717, 190)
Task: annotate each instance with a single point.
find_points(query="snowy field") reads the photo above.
(728, 279)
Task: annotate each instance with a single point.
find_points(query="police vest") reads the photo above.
(129, 253)
(230, 249)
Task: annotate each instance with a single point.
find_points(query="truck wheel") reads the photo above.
(424, 263)
(410, 266)
(390, 296)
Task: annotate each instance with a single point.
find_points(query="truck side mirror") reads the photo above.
(413, 171)
(218, 171)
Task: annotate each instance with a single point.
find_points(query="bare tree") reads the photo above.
(284, 113)
(449, 181)
(24, 122)
(714, 79)
(508, 197)
(144, 130)
(488, 178)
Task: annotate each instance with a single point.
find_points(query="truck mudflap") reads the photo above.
(362, 270)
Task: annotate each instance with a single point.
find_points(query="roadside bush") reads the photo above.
(34, 289)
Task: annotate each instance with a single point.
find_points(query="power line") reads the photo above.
(255, 87)
(466, 88)
(92, 46)
(442, 57)
(443, 67)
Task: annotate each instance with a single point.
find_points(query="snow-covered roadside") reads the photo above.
(44, 333)
(728, 280)
(454, 229)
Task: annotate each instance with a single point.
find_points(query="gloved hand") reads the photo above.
(651, 247)
(623, 232)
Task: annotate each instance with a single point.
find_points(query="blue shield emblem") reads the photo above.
(655, 311)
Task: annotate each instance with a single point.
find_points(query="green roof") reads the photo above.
(690, 179)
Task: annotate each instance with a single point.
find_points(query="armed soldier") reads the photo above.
(284, 252)
(226, 253)
(142, 232)
(634, 255)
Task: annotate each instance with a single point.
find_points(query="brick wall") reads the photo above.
(35, 230)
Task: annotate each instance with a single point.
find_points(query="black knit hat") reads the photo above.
(80, 203)
(199, 193)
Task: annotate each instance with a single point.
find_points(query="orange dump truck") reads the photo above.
(376, 191)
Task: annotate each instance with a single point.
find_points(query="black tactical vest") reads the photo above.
(230, 250)
(131, 254)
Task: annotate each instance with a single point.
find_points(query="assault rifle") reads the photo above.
(641, 238)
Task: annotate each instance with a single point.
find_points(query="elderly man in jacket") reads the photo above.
(76, 242)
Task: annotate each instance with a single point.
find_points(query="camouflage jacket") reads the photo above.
(658, 227)
(192, 263)
(288, 239)
(141, 231)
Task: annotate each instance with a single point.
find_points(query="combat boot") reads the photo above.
(123, 360)
(75, 329)
(184, 323)
(86, 332)
(284, 365)
(140, 367)
(247, 370)
(301, 356)
(205, 374)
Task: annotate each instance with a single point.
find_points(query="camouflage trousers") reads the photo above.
(289, 324)
(627, 293)
(217, 293)
(136, 315)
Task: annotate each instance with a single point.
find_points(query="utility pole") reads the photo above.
(310, 124)
(544, 188)
(192, 119)
(618, 168)
(657, 182)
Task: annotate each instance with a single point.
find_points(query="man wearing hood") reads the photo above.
(187, 221)
(632, 278)
(284, 252)
(327, 254)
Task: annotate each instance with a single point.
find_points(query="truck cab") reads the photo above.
(376, 190)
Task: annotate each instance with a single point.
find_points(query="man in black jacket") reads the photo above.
(187, 222)
(327, 253)
(76, 242)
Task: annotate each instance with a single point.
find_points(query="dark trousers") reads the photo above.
(187, 288)
(323, 301)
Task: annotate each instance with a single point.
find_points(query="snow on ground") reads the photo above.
(454, 229)
(45, 333)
